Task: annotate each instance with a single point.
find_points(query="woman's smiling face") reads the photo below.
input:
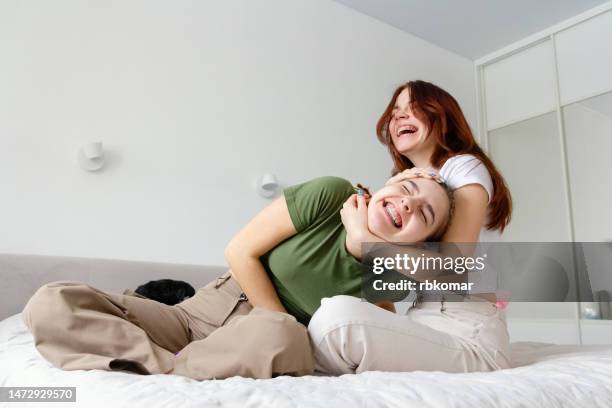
(408, 133)
(409, 211)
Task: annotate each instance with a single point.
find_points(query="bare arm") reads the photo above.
(266, 230)
(471, 203)
(387, 305)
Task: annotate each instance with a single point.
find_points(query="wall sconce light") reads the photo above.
(267, 185)
(91, 156)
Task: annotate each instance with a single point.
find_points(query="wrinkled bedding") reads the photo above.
(548, 375)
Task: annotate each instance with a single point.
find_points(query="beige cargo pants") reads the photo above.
(215, 334)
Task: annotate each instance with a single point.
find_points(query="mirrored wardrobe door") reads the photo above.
(588, 131)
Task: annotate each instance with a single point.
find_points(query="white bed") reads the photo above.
(565, 376)
(556, 375)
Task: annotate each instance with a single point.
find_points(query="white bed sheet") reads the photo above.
(566, 376)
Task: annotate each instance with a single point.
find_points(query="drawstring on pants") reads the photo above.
(419, 299)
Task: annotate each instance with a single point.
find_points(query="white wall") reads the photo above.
(194, 100)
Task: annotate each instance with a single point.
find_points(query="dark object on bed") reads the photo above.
(166, 291)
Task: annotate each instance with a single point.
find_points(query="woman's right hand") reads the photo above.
(354, 216)
(415, 172)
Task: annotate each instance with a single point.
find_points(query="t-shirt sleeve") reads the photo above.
(316, 200)
(466, 169)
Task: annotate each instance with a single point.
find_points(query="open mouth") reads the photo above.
(406, 130)
(391, 211)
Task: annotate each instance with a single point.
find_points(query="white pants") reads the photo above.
(351, 336)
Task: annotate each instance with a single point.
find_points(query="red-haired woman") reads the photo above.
(427, 135)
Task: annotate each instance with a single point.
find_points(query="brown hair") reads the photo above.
(447, 125)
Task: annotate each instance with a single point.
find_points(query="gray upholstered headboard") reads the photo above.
(21, 275)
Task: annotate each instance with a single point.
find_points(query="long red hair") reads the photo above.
(447, 125)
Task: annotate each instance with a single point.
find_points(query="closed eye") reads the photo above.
(423, 216)
(428, 206)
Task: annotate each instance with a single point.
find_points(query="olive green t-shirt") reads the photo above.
(314, 263)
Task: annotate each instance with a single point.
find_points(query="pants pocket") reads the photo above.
(215, 303)
(222, 279)
(235, 304)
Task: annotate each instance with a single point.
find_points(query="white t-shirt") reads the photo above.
(464, 169)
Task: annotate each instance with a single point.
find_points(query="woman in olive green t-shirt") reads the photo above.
(291, 255)
(297, 251)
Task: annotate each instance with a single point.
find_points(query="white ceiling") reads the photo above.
(471, 28)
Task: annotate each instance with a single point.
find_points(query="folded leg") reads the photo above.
(76, 326)
(353, 336)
